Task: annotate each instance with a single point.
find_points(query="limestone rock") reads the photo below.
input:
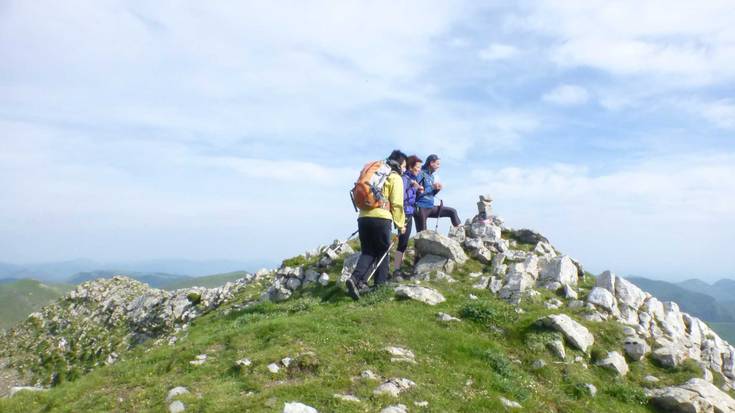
(557, 348)
(606, 280)
(602, 297)
(175, 392)
(295, 407)
(576, 334)
(559, 269)
(398, 408)
(347, 398)
(399, 354)
(394, 387)
(615, 362)
(324, 279)
(176, 407)
(694, 396)
(433, 263)
(444, 317)
(418, 293)
(591, 389)
(428, 242)
(636, 348)
(629, 294)
(510, 404)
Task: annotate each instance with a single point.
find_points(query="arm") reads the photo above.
(396, 202)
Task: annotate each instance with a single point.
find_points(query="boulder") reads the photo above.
(606, 280)
(418, 293)
(667, 356)
(576, 334)
(432, 263)
(559, 269)
(175, 392)
(557, 348)
(176, 407)
(399, 354)
(615, 362)
(629, 294)
(432, 243)
(602, 297)
(398, 408)
(444, 317)
(510, 404)
(394, 387)
(636, 348)
(695, 396)
(527, 236)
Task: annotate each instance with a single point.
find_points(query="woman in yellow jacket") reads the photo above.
(375, 229)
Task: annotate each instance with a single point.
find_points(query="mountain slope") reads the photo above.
(156, 280)
(22, 297)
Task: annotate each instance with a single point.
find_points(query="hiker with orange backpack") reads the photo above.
(378, 194)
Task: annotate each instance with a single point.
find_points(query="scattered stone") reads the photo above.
(575, 304)
(553, 304)
(651, 379)
(398, 408)
(369, 375)
(244, 363)
(324, 279)
(615, 362)
(482, 283)
(418, 293)
(667, 356)
(446, 317)
(273, 368)
(591, 389)
(442, 276)
(286, 361)
(422, 403)
(347, 398)
(606, 280)
(559, 269)
(538, 364)
(472, 297)
(629, 331)
(636, 348)
(399, 355)
(603, 298)
(175, 392)
(510, 404)
(557, 349)
(433, 263)
(176, 407)
(694, 396)
(16, 389)
(295, 407)
(577, 334)
(199, 360)
(394, 387)
(569, 293)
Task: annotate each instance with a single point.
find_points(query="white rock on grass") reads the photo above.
(347, 398)
(324, 279)
(576, 334)
(422, 403)
(431, 242)
(273, 368)
(636, 348)
(418, 293)
(615, 362)
(175, 392)
(557, 348)
(394, 387)
(199, 360)
(399, 354)
(446, 317)
(510, 404)
(295, 407)
(398, 408)
(244, 362)
(369, 375)
(176, 407)
(591, 389)
(602, 297)
(16, 389)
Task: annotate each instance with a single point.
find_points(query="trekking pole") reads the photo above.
(379, 262)
(438, 214)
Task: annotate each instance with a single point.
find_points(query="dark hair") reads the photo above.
(412, 161)
(429, 159)
(395, 159)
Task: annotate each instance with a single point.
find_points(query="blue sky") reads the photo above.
(137, 130)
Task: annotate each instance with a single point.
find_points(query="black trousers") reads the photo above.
(374, 243)
(424, 213)
(403, 238)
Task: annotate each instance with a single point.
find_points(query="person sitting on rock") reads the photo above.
(374, 225)
(411, 189)
(425, 201)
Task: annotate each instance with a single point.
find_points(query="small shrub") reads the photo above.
(194, 297)
(487, 313)
(627, 393)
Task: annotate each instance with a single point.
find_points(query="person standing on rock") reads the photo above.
(374, 224)
(411, 190)
(425, 202)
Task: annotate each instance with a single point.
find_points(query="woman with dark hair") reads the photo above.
(411, 189)
(425, 202)
(374, 225)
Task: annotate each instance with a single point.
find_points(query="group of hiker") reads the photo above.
(397, 192)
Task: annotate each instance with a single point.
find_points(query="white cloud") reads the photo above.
(721, 113)
(681, 45)
(498, 51)
(634, 219)
(566, 95)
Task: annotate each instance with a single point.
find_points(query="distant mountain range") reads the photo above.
(713, 303)
(67, 271)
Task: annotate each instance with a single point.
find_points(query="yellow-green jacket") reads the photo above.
(393, 192)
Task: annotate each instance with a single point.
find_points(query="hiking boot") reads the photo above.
(352, 289)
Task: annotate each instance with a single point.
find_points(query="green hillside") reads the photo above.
(208, 281)
(22, 297)
(460, 366)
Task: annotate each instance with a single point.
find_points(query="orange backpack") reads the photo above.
(368, 190)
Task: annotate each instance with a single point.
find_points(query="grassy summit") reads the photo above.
(459, 366)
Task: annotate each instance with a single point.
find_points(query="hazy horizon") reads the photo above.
(131, 131)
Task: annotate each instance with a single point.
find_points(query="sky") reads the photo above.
(134, 130)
